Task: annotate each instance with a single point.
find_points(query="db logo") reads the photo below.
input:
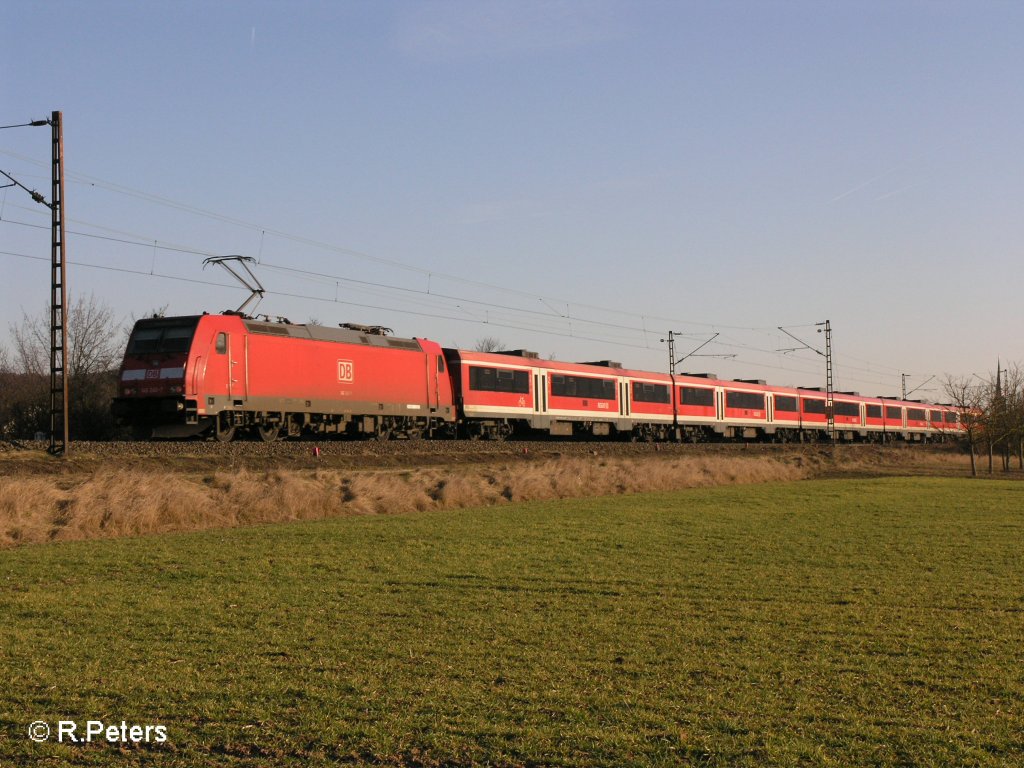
(522, 402)
(346, 370)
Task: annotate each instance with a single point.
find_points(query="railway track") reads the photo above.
(366, 452)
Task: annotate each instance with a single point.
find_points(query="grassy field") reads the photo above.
(835, 622)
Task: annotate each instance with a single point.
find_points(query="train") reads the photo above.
(226, 375)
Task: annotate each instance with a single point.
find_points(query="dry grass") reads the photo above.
(109, 503)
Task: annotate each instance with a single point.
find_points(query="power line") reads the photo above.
(433, 315)
(429, 273)
(497, 320)
(569, 317)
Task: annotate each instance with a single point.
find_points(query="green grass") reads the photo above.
(846, 622)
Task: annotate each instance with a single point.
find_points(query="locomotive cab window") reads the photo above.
(176, 340)
(145, 340)
(161, 336)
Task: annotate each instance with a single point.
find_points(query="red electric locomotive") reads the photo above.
(216, 374)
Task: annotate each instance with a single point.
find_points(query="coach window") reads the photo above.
(814, 406)
(579, 386)
(499, 380)
(785, 403)
(893, 412)
(696, 396)
(874, 411)
(846, 409)
(222, 343)
(747, 400)
(650, 393)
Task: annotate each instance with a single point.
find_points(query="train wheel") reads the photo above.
(268, 433)
(222, 432)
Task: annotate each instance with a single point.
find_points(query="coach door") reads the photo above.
(434, 387)
(217, 369)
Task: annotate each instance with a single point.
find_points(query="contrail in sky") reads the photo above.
(869, 182)
(882, 175)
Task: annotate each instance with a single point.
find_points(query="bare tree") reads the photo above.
(95, 346)
(991, 414)
(970, 400)
(1012, 392)
(1003, 424)
(489, 344)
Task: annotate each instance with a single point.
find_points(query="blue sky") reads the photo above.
(575, 178)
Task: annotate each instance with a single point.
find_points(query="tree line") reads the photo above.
(991, 415)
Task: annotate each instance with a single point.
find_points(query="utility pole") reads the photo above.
(671, 353)
(903, 388)
(59, 421)
(829, 387)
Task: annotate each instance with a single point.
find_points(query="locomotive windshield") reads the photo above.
(150, 336)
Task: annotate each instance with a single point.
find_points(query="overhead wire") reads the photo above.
(498, 320)
(264, 230)
(495, 322)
